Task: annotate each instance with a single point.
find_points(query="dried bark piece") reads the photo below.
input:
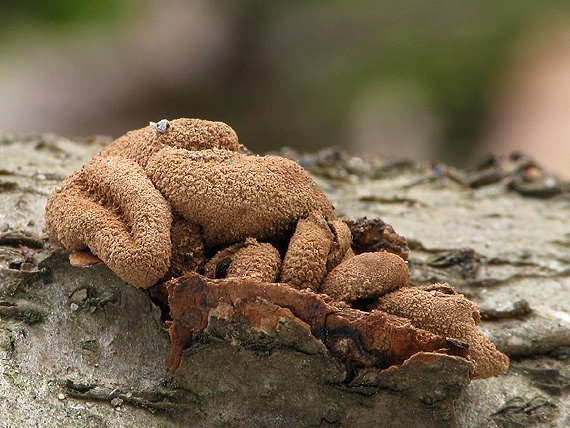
(305, 263)
(250, 258)
(233, 196)
(111, 207)
(375, 235)
(360, 339)
(262, 326)
(442, 311)
(366, 276)
(379, 339)
(190, 134)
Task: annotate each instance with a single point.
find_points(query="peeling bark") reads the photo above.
(356, 338)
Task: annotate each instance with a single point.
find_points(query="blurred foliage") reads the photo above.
(62, 11)
(457, 50)
(297, 68)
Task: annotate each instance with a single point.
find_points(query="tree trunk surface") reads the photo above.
(81, 348)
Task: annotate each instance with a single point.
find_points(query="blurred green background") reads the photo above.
(447, 79)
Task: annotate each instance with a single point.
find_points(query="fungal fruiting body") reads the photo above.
(184, 197)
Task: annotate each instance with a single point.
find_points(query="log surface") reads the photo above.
(79, 347)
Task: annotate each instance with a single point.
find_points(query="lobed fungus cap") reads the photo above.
(366, 276)
(189, 134)
(232, 196)
(439, 309)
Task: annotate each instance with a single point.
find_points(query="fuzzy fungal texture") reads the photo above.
(248, 259)
(439, 309)
(233, 196)
(305, 264)
(120, 206)
(189, 134)
(366, 276)
(188, 249)
(110, 207)
(113, 209)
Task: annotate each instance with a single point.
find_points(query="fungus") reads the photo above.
(125, 222)
(233, 196)
(305, 264)
(120, 205)
(189, 134)
(439, 309)
(188, 250)
(366, 276)
(157, 202)
(250, 258)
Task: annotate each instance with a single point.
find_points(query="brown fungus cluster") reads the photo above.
(183, 202)
(439, 309)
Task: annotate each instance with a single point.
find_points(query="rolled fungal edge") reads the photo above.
(366, 276)
(139, 253)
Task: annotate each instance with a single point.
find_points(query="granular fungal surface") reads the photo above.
(185, 197)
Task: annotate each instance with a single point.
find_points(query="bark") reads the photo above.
(80, 347)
